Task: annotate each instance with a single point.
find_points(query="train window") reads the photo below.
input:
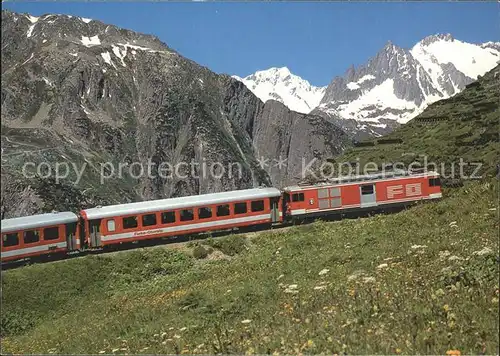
(240, 208)
(323, 193)
(149, 220)
(9, 240)
(51, 233)
(334, 192)
(130, 222)
(187, 215)
(434, 182)
(223, 210)
(367, 189)
(111, 225)
(204, 213)
(31, 236)
(257, 205)
(298, 197)
(168, 217)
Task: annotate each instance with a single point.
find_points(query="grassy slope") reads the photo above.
(380, 295)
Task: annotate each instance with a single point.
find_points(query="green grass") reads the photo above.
(356, 286)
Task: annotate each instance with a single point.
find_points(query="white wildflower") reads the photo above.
(291, 289)
(484, 251)
(368, 279)
(352, 277)
(416, 247)
(324, 271)
(444, 254)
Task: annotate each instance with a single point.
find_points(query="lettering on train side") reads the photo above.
(148, 232)
(410, 190)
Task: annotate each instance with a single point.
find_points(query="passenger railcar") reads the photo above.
(184, 215)
(38, 235)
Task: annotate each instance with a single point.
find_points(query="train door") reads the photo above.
(71, 236)
(95, 232)
(285, 204)
(367, 195)
(275, 215)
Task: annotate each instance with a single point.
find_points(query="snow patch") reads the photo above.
(120, 54)
(90, 41)
(128, 45)
(381, 96)
(365, 78)
(352, 86)
(26, 61)
(48, 82)
(30, 30)
(107, 58)
(85, 110)
(33, 19)
(86, 20)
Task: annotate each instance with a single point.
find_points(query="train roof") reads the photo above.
(36, 221)
(179, 203)
(366, 178)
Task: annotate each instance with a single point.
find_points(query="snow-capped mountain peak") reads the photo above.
(397, 84)
(281, 85)
(470, 59)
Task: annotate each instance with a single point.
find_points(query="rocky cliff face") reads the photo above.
(87, 98)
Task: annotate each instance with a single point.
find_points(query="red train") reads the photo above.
(108, 225)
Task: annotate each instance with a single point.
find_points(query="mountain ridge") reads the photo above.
(397, 84)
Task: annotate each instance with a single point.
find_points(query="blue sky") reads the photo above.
(316, 41)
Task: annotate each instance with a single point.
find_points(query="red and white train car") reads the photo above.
(113, 224)
(361, 193)
(38, 235)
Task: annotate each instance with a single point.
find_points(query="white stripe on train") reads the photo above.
(185, 228)
(28, 250)
(385, 202)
